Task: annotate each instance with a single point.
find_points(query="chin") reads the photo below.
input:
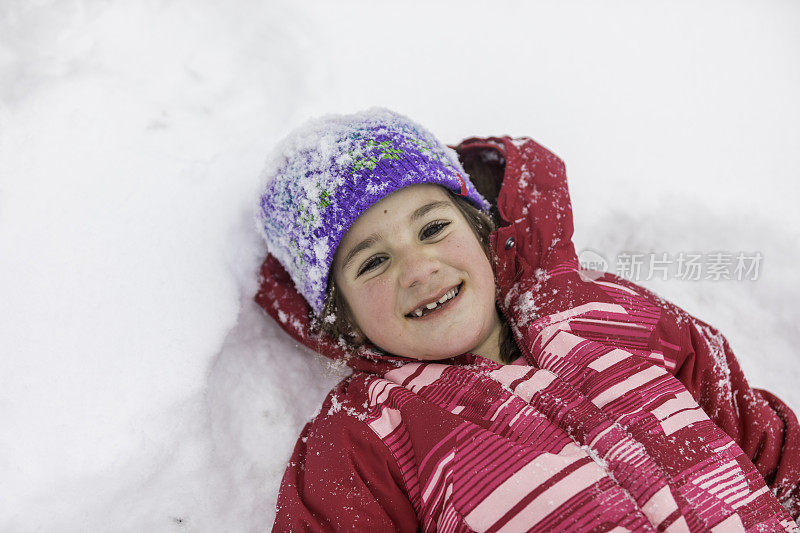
(456, 343)
(457, 350)
(415, 354)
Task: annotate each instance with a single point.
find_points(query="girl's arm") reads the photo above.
(701, 358)
(760, 423)
(341, 477)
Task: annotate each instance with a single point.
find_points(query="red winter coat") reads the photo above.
(624, 412)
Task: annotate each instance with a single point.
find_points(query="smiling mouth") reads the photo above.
(444, 302)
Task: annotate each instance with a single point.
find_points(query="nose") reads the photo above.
(417, 267)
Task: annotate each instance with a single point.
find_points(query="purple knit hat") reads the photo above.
(329, 171)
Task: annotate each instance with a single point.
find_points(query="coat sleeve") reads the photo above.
(341, 477)
(761, 424)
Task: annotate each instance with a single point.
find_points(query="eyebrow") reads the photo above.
(363, 245)
(422, 211)
(375, 237)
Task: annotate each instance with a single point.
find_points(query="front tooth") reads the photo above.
(431, 305)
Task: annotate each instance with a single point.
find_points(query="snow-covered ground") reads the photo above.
(141, 388)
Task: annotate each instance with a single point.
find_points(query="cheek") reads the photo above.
(373, 300)
(468, 252)
(477, 264)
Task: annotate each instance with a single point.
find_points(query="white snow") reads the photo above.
(143, 390)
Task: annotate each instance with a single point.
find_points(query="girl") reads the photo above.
(496, 385)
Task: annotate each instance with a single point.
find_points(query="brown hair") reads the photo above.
(336, 318)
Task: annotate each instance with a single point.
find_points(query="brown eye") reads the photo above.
(372, 263)
(433, 229)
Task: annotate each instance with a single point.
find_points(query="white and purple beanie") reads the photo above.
(329, 171)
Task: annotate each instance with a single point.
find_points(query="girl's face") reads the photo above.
(413, 248)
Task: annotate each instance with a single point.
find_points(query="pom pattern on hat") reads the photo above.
(328, 172)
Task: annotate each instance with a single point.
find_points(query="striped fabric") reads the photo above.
(589, 436)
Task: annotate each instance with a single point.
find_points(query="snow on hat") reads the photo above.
(328, 172)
